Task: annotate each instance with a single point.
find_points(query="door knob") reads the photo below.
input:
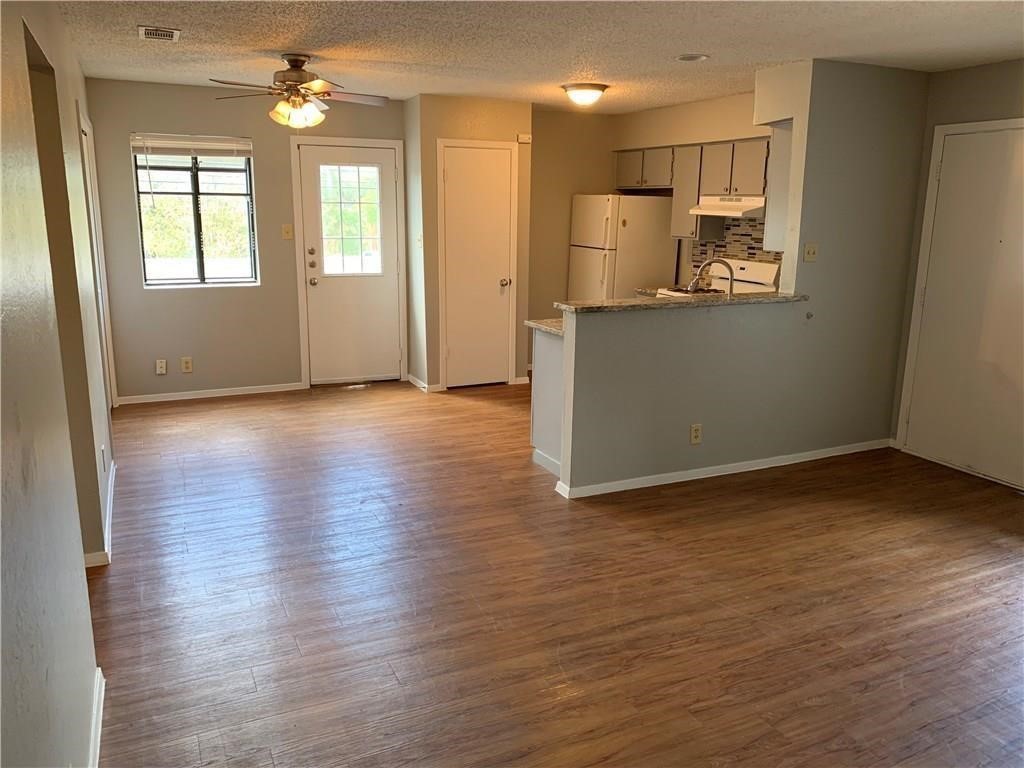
(504, 282)
(312, 263)
(314, 281)
(311, 250)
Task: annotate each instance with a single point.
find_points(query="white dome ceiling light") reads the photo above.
(584, 94)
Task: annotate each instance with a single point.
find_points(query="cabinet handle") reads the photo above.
(726, 189)
(735, 189)
(643, 181)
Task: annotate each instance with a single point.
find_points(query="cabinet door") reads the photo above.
(629, 168)
(716, 169)
(657, 167)
(685, 191)
(748, 166)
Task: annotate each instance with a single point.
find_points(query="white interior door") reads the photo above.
(966, 404)
(350, 251)
(478, 241)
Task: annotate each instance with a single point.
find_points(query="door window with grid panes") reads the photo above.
(350, 219)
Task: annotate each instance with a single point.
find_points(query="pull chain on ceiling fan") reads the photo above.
(302, 93)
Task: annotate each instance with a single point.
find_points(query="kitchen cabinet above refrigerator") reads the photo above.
(644, 168)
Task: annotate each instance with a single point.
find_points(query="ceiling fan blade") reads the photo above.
(246, 96)
(240, 85)
(317, 103)
(356, 98)
(318, 86)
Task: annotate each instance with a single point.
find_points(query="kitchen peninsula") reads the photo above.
(617, 384)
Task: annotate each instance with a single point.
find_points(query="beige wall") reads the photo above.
(974, 94)
(417, 335)
(461, 117)
(237, 336)
(572, 155)
(48, 664)
(698, 122)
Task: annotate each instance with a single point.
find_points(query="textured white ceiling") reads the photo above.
(525, 50)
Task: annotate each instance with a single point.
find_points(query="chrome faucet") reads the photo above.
(700, 271)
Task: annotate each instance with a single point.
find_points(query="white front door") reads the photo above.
(350, 252)
(967, 392)
(478, 235)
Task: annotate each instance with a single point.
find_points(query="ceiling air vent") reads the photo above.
(159, 33)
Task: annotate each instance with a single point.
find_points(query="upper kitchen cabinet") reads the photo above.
(749, 159)
(629, 169)
(737, 168)
(685, 191)
(642, 168)
(716, 169)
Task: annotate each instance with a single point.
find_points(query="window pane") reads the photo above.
(168, 237)
(176, 161)
(237, 163)
(371, 257)
(350, 220)
(224, 181)
(369, 220)
(333, 263)
(330, 219)
(227, 239)
(329, 184)
(164, 181)
(353, 261)
(369, 178)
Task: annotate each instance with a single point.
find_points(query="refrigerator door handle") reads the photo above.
(607, 221)
(604, 265)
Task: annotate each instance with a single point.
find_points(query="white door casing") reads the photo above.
(477, 220)
(962, 402)
(352, 284)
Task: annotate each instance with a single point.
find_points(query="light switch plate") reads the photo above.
(161, 367)
(287, 232)
(186, 365)
(810, 251)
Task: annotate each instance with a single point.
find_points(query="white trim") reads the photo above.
(513, 146)
(551, 465)
(924, 256)
(95, 224)
(99, 688)
(197, 394)
(94, 559)
(355, 380)
(520, 380)
(420, 384)
(297, 228)
(966, 470)
(631, 483)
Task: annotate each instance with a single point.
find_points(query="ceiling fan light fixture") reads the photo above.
(584, 94)
(279, 114)
(296, 112)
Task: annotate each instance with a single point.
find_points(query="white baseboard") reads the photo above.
(422, 385)
(542, 459)
(98, 690)
(520, 380)
(93, 559)
(631, 483)
(196, 394)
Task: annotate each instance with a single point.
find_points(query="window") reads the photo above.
(195, 210)
(350, 219)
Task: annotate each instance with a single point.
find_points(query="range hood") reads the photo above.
(737, 207)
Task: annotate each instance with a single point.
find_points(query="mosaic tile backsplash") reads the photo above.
(744, 239)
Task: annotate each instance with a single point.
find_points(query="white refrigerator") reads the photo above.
(620, 243)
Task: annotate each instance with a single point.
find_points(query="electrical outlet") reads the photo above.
(696, 434)
(161, 367)
(810, 251)
(186, 365)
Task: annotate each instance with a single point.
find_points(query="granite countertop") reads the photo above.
(698, 301)
(552, 325)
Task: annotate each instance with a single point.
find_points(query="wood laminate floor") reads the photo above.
(378, 577)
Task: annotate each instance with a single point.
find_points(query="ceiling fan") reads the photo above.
(303, 93)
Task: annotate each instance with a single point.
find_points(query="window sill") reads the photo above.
(179, 286)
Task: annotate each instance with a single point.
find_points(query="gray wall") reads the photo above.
(417, 334)
(48, 664)
(237, 336)
(766, 381)
(572, 153)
